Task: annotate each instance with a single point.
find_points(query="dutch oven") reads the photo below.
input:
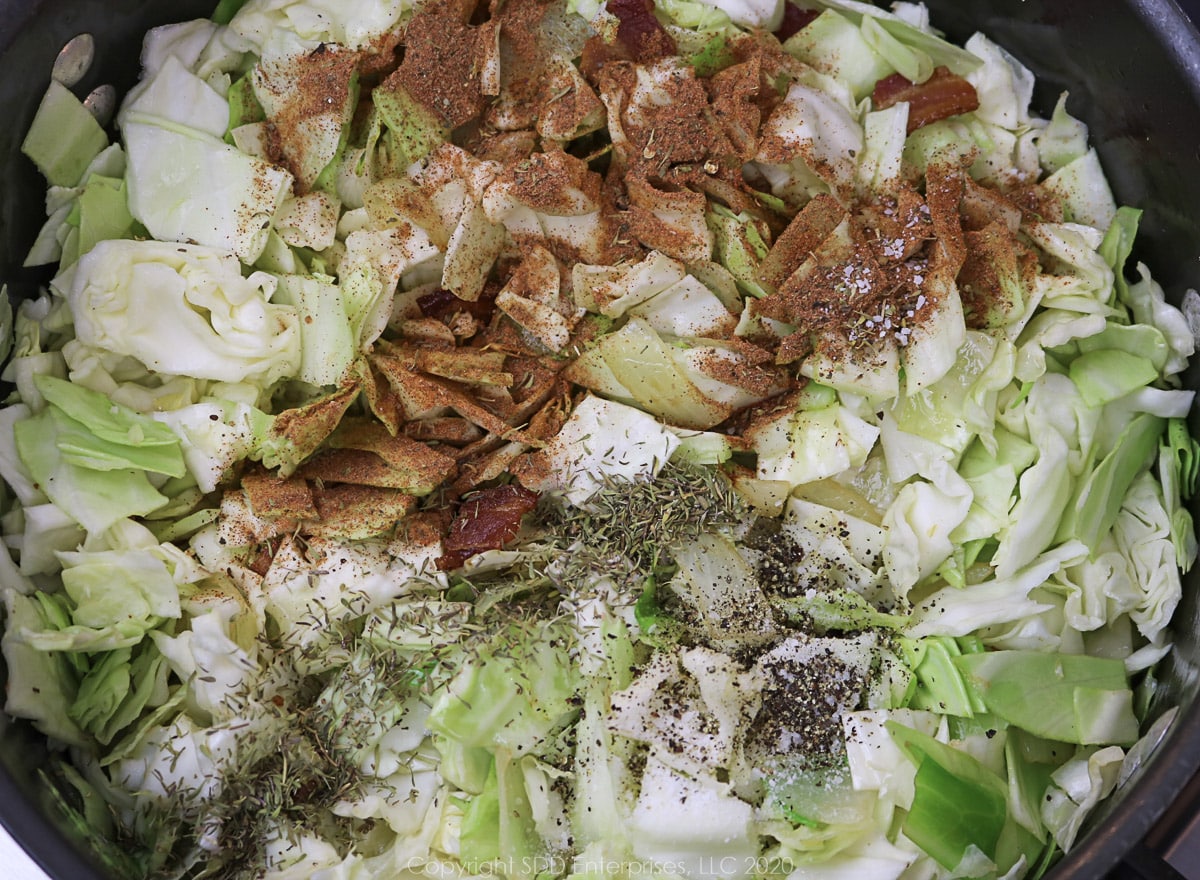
(1132, 68)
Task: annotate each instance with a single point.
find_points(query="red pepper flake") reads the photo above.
(795, 20)
(487, 520)
(943, 95)
(640, 32)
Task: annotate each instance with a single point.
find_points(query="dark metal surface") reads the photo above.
(1133, 72)
(1176, 837)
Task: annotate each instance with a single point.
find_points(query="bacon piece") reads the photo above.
(641, 33)
(441, 303)
(486, 521)
(943, 95)
(260, 562)
(795, 20)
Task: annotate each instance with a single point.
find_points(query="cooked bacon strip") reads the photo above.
(441, 304)
(639, 31)
(260, 561)
(486, 521)
(795, 20)
(943, 95)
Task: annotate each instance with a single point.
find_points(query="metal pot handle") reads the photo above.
(1173, 843)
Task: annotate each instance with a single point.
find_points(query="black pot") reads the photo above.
(1133, 72)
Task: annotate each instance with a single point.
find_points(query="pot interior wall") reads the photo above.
(1133, 73)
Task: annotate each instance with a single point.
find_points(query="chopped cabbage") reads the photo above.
(550, 441)
(224, 326)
